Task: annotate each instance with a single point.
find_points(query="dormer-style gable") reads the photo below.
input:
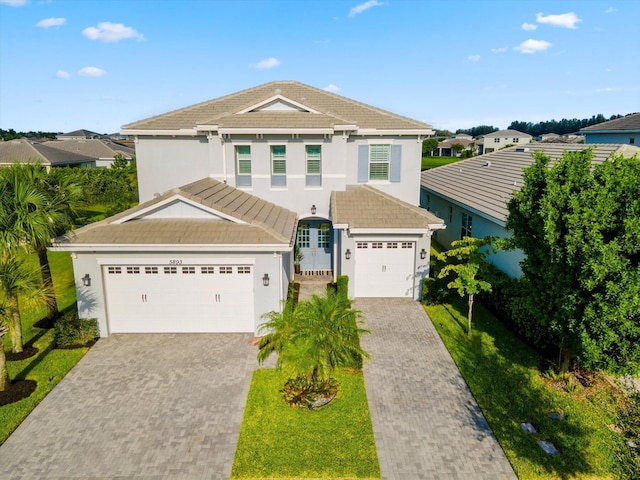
(278, 103)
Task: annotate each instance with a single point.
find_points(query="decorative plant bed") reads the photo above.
(319, 402)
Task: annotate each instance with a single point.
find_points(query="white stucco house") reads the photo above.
(472, 195)
(230, 186)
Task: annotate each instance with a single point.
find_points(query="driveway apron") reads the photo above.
(425, 420)
(153, 406)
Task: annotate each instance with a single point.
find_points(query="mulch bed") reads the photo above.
(18, 390)
(27, 352)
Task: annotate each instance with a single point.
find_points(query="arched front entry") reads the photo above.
(314, 241)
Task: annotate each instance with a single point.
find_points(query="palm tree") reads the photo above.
(19, 279)
(315, 337)
(36, 207)
(4, 373)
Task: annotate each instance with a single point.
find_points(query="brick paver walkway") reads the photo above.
(426, 423)
(143, 406)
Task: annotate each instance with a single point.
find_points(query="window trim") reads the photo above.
(273, 160)
(386, 162)
(466, 227)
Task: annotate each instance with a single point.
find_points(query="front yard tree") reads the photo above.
(468, 255)
(36, 207)
(429, 145)
(4, 373)
(579, 227)
(19, 279)
(313, 339)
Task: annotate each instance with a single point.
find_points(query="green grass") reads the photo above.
(503, 375)
(277, 441)
(49, 366)
(433, 162)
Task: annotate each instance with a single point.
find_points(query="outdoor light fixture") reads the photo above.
(347, 254)
(423, 254)
(313, 210)
(265, 280)
(86, 280)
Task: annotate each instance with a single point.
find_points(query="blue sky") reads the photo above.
(70, 64)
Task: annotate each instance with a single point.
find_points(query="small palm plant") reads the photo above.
(312, 340)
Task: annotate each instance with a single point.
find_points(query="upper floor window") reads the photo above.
(313, 165)
(516, 139)
(243, 169)
(379, 162)
(496, 140)
(467, 221)
(379, 158)
(278, 166)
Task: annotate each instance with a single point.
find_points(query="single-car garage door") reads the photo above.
(179, 299)
(384, 269)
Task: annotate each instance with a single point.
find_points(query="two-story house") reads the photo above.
(230, 187)
(494, 141)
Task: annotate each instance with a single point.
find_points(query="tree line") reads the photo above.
(561, 127)
(11, 134)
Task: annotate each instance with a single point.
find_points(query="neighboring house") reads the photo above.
(624, 130)
(548, 136)
(445, 148)
(79, 135)
(26, 151)
(472, 195)
(229, 188)
(101, 151)
(494, 141)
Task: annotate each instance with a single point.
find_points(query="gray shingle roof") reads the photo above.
(91, 148)
(630, 122)
(334, 110)
(24, 151)
(265, 222)
(80, 133)
(363, 206)
(486, 183)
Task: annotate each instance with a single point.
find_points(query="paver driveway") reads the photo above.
(153, 406)
(425, 420)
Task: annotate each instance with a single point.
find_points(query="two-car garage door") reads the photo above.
(384, 269)
(179, 298)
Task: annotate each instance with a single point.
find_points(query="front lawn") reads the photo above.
(49, 365)
(278, 441)
(503, 375)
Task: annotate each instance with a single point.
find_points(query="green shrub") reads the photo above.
(71, 331)
(300, 392)
(342, 286)
(434, 289)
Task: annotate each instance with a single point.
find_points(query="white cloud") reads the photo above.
(91, 72)
(532, 46)
(473, 58)
(62, 74)
(364, 6)
(270, 62)
(332, 88)
(499, 50)
(529, 26)
(610, 10)
(565, 20)
(14, 3)
(111, 32)
(51, 22)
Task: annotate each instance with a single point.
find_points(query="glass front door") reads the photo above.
(314, 242)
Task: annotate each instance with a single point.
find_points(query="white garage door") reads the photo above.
(384, 269)
(179, 299)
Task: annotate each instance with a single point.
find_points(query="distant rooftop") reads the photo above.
(630, 122)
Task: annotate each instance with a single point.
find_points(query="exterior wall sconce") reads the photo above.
(313, 210)
(347, 254)
(265, 280)
(423, 254)
(86, 280)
